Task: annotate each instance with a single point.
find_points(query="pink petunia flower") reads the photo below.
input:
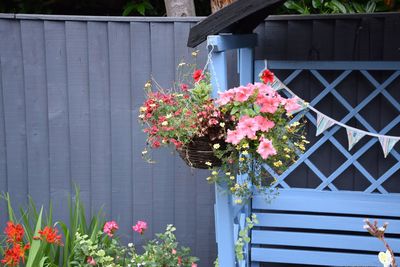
(291, 104)
(266, 149)
(233, 137)
(268, 104)
(194, 265)
(225, 97)
(110, 227)
(243, 93)
(247, 127)
(263, 123)
(140, 227)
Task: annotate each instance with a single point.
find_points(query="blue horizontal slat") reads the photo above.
(313, 257)
(343, 202)
(319, 222)
(326, 65)
(317, 240)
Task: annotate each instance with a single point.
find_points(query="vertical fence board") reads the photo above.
(78, 100)
(163, 66)
(121, 128)
(391, 41)
(59, 146)
(185, 182)
(14, 109)
(32, 34)
(100, 123)
(3, 151)
(142, 175)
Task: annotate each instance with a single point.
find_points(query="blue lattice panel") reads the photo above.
(364, 95)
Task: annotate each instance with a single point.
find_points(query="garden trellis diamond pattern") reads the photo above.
(352, 158)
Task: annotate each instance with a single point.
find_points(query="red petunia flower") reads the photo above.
(50, 235)
(14, 232)
(198, 75)
(267, 76)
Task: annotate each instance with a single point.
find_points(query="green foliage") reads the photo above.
(244, 237)
(134, 7)
(306, 7)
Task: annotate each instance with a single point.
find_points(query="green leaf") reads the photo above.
(371, 6)
(234, 110)
(34, 252)
(317, 3)
(339, 6)
(358, 8)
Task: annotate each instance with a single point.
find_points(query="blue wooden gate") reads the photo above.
(322, 224)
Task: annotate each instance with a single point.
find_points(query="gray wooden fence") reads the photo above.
(70, 92)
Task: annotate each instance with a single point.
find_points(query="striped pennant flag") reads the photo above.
(387, 144)
(323, 123)
(353, 137)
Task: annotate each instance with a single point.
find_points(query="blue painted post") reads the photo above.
(223, 199)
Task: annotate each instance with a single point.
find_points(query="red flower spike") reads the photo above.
(14, 232)
(50, 235)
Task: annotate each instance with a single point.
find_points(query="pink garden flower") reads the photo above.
(225, 97)
(264, 89)
(264, 124)
(266, 149)
(110, 227)
(91, 261)
(291, 104)
(233, 137)
(268, 104)
(247, 127)
(194, 265)
(243, 93)
(140, 227)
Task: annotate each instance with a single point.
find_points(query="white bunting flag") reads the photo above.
(353, 137)
(277, 85)
(323, 123)
(387, 144)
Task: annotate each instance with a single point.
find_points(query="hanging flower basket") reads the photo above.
(199, 153)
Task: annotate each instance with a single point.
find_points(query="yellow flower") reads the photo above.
(216, 146)
(228, 173)
(245, 152)
(238, 201)
(214, 173)
(144, 152)
(182, 64)
(237, 186)
(278, 163)
(168, 116)
(194, 53)
(288, 156)
(245, 145)
(152, 105)
(143, 109)
(294, 124)
(147, 85)
(284, 137)
(286, 149)
(241, 159)
(164, 123)
(233, 189)
(208, 178)
(208, 163)
(232, 177)
(141, 116)
(222, 124)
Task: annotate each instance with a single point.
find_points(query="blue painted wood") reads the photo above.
(342, 202)
(228, 42)
(320, 222)
(319, 240)
(313, 257)
(328, 65)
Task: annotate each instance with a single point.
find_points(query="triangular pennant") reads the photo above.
(323, 123)
(277, 85)
(353, 137)
(387, 144)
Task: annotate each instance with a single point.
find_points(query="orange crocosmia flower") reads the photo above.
(14, 232)
(50, 235)
(13, 255)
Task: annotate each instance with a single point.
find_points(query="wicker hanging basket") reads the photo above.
(200, 151)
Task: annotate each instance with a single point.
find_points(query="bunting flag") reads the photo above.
(277, 85)
(387, 144)
(353, 137)
(302, 106)
(323, 123)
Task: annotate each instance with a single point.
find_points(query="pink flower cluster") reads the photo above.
(268, 99)
(140, 227)
(110, 227)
